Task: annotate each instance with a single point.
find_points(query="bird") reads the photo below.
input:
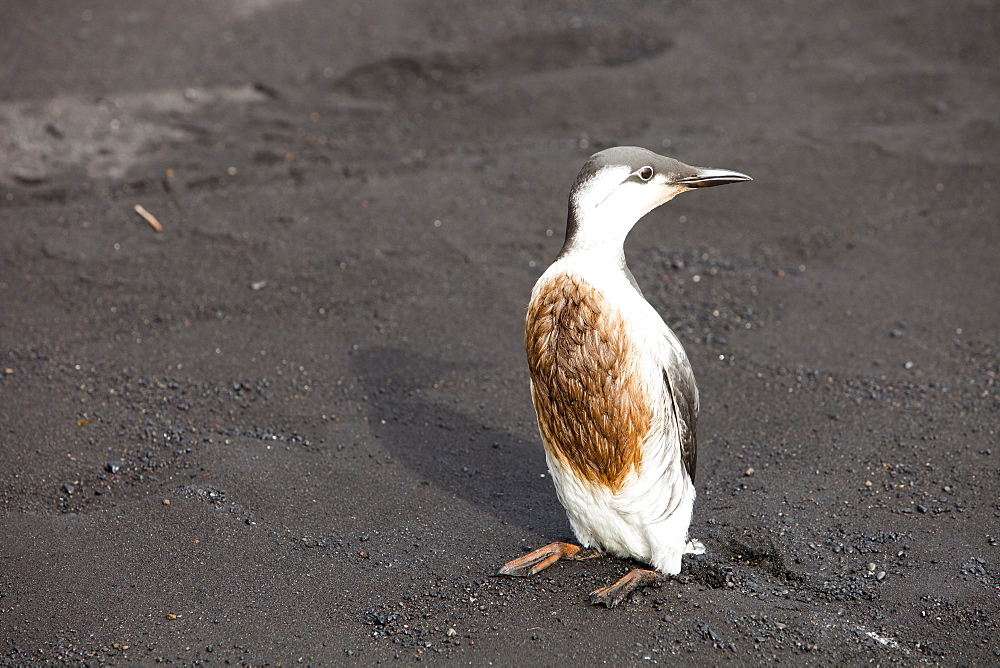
(612, 387)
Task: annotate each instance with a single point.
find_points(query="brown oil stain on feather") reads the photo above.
(592, 410)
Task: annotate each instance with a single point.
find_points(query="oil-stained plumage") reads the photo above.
(613, 390)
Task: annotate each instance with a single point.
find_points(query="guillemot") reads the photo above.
(613, 390)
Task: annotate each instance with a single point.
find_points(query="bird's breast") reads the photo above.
(593, 408)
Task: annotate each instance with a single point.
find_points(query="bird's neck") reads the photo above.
(593, 261)
(594, 255)
(596, 237)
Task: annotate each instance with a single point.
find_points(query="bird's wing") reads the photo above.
(682, 402)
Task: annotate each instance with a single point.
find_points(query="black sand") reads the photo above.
(318, 361)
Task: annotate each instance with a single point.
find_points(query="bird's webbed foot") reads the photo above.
(543, 557)
(614, 594)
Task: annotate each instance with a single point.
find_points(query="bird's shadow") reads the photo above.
(463, 455)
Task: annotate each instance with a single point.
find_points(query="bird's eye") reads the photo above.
(646, 173)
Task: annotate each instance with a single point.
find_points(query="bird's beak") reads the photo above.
(706, 176)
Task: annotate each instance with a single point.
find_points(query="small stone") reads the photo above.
(880, 575)
(870, 567)
(113, 467)
(452, 633)
(258, 285)
(171, 616)
(921, 509)
(749, 472)
(166, 502)
(908, 364)
(69, 489)
(868, 483)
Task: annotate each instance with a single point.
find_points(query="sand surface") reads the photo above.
(294, 425)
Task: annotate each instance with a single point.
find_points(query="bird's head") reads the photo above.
(620, 185)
